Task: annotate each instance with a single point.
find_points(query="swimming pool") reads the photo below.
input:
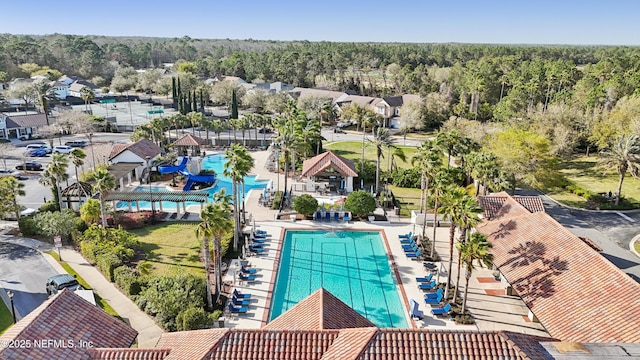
(352, 265)
(211, 162)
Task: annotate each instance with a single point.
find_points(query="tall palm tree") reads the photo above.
(90, 211)
(237, 165)
(623, 156)
(87, 95)
(483, 166)
(469, 211)
(77, 158)
(428, 160)
(54, 174)
(441, 180)
(218, 127)
(476, 248)
(216, 219)
(104, 183)
(447, 142)
(11, 188)
(452, 199)
(45, 92)
(382, 140)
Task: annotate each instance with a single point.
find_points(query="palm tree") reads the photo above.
(239, 162)
(452, 199)
(216, 219)
(428, 160)
(45, 92)
(77, 158)
(469, 210)
(476, 248)
(87, 95)
(11, 189)
(90, 211)
(483, 167)
(447, 142)
(54, 174)
(218, 127)
(104, 182)
(624, 155)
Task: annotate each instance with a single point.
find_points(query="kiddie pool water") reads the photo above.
(211, 162)
(352, 265)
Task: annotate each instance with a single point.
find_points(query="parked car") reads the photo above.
(36, 152)
(39, 146)
(265, 131)
(62, 149)
(29, 165)
(77, 143)
(24, 211)
(62, 281)
(9, 172)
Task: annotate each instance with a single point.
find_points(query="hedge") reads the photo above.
(107, 263)
(89, 250)
(128, 280)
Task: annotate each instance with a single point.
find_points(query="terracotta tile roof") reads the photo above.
(429, 344)
(576, 293)
(493, 203)
(68, 318)
(191, 345)
(142, 148)
(350, 343)
(320, 310)
(189, 140)
(318, 163)
(128, 354)
(25, 121)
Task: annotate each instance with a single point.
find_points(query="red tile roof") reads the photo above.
(493, 203)
(128, 354)
(318, 163)
(189, 140)
(319, 310)
(577, 294)
(191, 345)
(142, 148)
(65, 319)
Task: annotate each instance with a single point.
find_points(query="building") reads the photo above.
(132, 161)
(330, 171)
(20, 126)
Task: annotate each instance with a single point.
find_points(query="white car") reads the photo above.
(62, 149)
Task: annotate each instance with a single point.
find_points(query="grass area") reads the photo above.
(352, 150)
(409, 199)
(171, 246)
(584, 172)
(6, 318)
(102, 303)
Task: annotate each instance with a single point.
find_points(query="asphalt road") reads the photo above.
(24, 271)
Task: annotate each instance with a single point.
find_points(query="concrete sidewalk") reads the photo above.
(148, 331)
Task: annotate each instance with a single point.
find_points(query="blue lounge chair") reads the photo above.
(248, 271)
(247, 277)
(259, 236)
(408, 240)
(435, 300)
(346, 218)
(258, 241)
(441, 311)
(327, 216)
(424, 279)
(318, 215)
(258, 231)
(240, 309)
(405, 236)
(434, 295)
(415, 255)
(257, 246)
(256, 250)
(239, 302)
(427, 286)
(410, 248)
(241, 296)
(336, 216)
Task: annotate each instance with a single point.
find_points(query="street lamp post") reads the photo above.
(13, 310)
(93, 156)
(153, 210)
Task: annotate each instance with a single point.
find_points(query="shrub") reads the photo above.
(49, 206)
(128, 280)
(225, 243)
(305, 204)
(107, 262)
(360, 203)
(369, 173)
(28, 226)
(277, 199)
(193, 318)
(407, 178)
(89, 250)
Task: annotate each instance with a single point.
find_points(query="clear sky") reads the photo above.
(609, 22)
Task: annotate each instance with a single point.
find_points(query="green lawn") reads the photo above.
(352, 150)
(409, 199)
(584, 172)
(6, 318)
(171, 246)
(102, 303)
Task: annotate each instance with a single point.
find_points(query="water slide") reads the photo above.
(191, 178)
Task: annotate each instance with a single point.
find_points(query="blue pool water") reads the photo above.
(211, 162)
(352, 265)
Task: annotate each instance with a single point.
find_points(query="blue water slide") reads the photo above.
(191, 179)
(168, 169)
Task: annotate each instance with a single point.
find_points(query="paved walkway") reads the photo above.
(148, 331)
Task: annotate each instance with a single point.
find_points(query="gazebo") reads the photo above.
(329, 171)
(76, 194)
(189, 142)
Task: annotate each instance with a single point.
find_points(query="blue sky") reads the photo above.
(613, 22)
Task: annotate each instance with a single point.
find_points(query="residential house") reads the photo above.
(75, 89)
(133, 160)
(275, 87)
(20, 126)
(301, 93)
(60, 89)
(68, 80)
(390, 108)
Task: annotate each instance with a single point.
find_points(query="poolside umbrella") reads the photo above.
(323, 210)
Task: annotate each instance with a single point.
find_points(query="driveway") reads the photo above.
(24, 271)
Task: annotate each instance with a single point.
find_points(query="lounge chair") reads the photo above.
(240, 309)
(258, 241)
(256, 250)
(427, 286)
(327, 216)
(318, 215)
(435, 294)
(336, 216)
(241, 296)
(346, 218)
(424, 279)
(247, 277)
(415, 255)
(258, 231)
(410, 248)
(405, 236)
(415, 310)
(239, 302)
(185, 216)
(259, 236)
(441, 311)
(248, 271)
(430, 300)
(408, 240)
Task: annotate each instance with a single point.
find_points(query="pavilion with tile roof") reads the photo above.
(189, 144)
(575, 293)
(331, 168)
(57, 328)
